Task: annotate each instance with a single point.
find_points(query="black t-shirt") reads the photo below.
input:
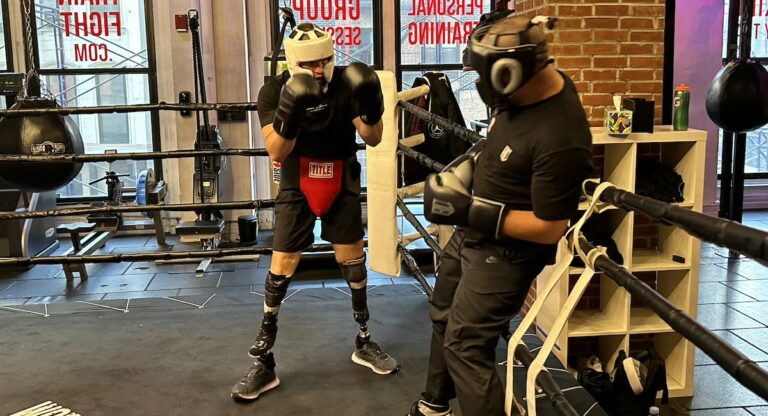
(328, 132)
(537, 156)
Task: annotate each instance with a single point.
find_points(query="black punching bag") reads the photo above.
(737, 100)
(48, 134)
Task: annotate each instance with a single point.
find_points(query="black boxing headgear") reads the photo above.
(502, 69)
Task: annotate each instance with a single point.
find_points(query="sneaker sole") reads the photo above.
(252, 397)
(371, 366)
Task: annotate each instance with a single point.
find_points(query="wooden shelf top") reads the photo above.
(588, 323)
(660, 134)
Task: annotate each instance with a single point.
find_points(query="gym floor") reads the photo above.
(733, 301)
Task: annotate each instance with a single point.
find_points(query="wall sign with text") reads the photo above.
(92, 28)
(451, 25)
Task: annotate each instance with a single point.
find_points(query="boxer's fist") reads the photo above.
(299, 93)
(366, 90)
(448, 200)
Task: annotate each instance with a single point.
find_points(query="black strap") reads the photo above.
(288, 19)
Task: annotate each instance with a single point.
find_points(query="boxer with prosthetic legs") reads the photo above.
(511, 203)
(310, 115)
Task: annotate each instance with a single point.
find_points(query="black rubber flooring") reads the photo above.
(164, 357)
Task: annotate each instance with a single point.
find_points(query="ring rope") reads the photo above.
(726, 233)
(413, 268)
(419, 228)
(256, 204)
(134, 257)
(170, 154)
(741, 368)
(545, 381)
(132, 108)
(454, 128)
(423, 159)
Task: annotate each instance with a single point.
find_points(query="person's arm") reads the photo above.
(277, 146)
(281, 112)
(371, 135)
(525, 225)
(555, 189)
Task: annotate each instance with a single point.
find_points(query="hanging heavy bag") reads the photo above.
(737, 100)
(43, 135)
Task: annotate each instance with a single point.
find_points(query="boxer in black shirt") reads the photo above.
(309, 117)
(511, 203)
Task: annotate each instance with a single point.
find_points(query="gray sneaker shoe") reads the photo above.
(422, 408)
(260, 379)
(369, 354)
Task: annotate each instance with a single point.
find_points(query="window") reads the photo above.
(756, 162)
(113, 128)
(98, 55)
(433, 36)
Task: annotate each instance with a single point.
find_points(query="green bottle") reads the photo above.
(681, 100)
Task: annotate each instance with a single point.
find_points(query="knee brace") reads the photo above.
(356, 275)
(276, 287)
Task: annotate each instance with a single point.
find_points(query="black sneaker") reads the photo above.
(370, 355)
(431, 409)
(260, 379)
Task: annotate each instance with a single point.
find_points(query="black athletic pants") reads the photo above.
(479, 287)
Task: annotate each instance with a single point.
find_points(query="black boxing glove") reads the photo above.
(366, 90)
(448, 200)
(299, 93)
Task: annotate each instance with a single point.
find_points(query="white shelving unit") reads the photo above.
(612, 325)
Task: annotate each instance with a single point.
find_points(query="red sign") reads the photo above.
(96, 23)
(430, 32)
(339, 10)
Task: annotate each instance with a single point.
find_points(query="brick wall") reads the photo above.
(607, 47)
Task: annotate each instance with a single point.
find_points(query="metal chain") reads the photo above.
(32, 72)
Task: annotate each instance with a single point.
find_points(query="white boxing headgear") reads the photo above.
(307, 43)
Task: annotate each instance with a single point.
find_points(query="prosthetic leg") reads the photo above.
(368, 353)
(275, 289)
(261, 377)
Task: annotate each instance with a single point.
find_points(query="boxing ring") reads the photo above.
(388, 251)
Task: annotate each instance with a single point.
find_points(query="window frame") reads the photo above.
(150, 71)
(7, 37)
(10, 99)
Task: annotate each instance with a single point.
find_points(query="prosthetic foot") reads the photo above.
(369, 354)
